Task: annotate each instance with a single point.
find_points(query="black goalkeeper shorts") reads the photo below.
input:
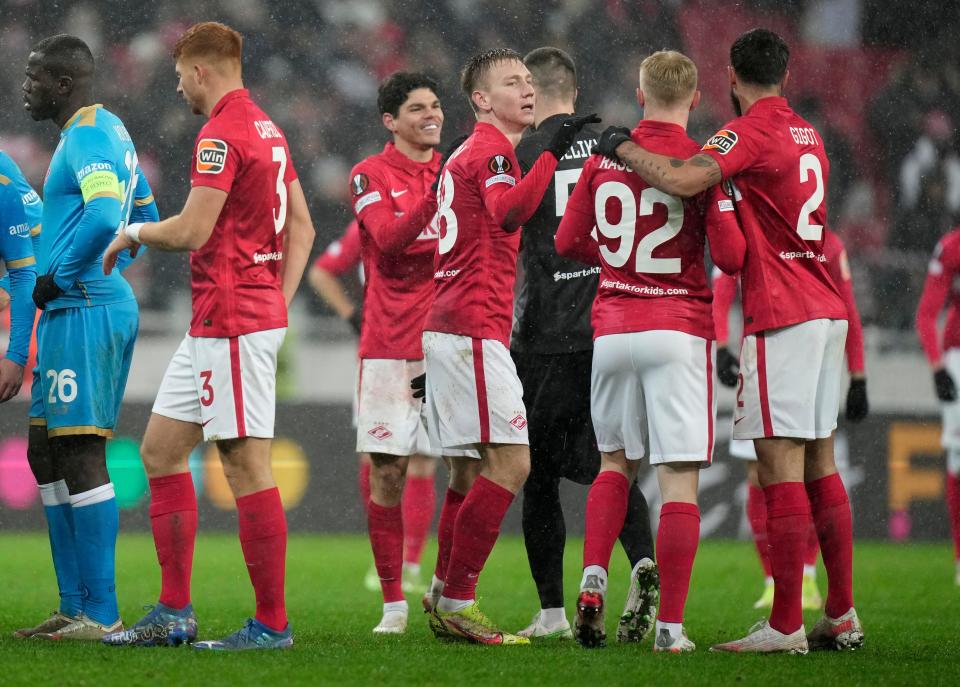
(556, 393)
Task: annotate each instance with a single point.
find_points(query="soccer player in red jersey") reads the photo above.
(249, 233)
(653, 350)
(795, 325)
(857, 407)
(943, 354)
(473, 396)
(395, 205)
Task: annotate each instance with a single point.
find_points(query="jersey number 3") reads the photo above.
(280, 216)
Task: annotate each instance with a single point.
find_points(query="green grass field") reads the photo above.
(905, 596)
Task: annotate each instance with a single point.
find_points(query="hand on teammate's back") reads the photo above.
(728, 367)
(4, 300)
(11, 377)
(45, 291)
(611, 137)
(419, 386)
(451, 149)
(567, 133)
(857, 404)
(946, 389)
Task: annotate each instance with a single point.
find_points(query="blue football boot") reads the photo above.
(162, 626)
(253, 635)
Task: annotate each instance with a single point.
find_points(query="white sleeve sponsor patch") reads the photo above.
(500, 179)
(725, 205)
(722, 141)
(366, 200)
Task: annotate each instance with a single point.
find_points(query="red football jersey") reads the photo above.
(651, 245)
(236, 275)
(394, 205)
(725, 290)
(941, 288)
(342, 255)
(476, 260)
(779, 169)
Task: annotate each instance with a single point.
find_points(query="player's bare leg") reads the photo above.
(56, 506)
(839, 628)
(385, 525)
(165, 453)
(677, 538)
(418, 505)
(606, 510)
(505, 468)
(781, 472)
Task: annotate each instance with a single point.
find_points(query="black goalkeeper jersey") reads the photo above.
(552, 313)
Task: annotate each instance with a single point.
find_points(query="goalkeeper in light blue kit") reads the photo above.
(16, 252)
(86, 333)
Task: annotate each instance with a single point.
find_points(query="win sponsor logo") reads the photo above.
(211, 156)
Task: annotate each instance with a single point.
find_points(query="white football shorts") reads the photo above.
(473, 393)
(225, 385)
(950, 438)
(790, 381)
(661, 381)
(389, 419)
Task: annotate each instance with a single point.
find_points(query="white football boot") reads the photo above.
(841, 633)
(763, 639)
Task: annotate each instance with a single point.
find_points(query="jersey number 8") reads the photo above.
(448, 236)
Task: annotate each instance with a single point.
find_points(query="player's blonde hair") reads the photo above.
(668, 77)
(209, 39)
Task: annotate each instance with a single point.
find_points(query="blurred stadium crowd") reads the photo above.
(882, 84)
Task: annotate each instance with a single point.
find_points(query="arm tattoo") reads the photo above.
(658, 169)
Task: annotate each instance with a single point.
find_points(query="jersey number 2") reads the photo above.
(807, 231)
(280, 217)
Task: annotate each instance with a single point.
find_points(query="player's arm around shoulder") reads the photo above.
(299, 235)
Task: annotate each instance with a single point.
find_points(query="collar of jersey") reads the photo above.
(79, 113)
(397, 159)
(232, 95)
(654, 125)
(771, 102)
(485, 129)
(550, 121)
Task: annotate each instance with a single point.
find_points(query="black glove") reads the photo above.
(728, 367)
(45, 291)
(419, 386)
(564, 136)
(451, 149)
(611, 137)
(857, 404)
(946, 389)
(354, 321)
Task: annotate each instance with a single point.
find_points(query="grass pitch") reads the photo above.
(905, 597)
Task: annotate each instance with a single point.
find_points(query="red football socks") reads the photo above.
(475, 533)
(757, 517)
(386, 540)
(606, 510)
(788, 523)
(419, 503)
(953, 508)
(363, 481)
(263, 538)
(173, 518)
(813, 546)
(677, 540)
(448, 518)
(832, 517)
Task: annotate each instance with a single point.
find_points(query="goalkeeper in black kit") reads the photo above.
(552, 346)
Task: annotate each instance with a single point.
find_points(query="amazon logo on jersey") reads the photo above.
(211, 155)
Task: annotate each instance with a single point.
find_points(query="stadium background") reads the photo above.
(880, 84)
